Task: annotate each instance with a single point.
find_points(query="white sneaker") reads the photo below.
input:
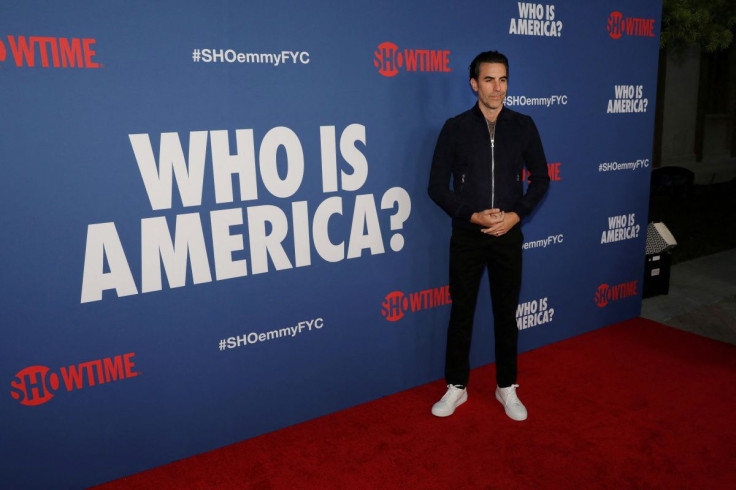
(511, 403)
(453, 398)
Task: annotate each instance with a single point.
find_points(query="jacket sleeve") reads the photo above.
(536, 164)
(440, 177)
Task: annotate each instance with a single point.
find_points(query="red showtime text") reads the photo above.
(36, 385)
(49, 52)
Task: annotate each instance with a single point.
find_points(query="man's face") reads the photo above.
(491, 85)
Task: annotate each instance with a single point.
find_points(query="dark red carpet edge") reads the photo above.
(633, 405)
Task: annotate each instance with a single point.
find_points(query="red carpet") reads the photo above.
(634, 405)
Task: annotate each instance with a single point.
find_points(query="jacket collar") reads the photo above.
(476, 110)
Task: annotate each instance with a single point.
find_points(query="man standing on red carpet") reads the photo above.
(483, 151)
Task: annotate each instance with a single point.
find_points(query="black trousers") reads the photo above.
(471, 253)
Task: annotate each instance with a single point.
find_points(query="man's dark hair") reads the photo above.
(488, 57)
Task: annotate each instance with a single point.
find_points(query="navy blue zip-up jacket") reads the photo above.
(485, 178)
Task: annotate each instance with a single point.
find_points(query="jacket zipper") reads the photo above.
(492, 134)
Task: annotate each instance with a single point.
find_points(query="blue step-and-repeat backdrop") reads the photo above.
(215, 221)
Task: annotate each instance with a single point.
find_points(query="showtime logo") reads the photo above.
(36, 385)
(388, 59)
(607, 294)
(397, 304)
(618, 25)
(49, 52)
(553, 170)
